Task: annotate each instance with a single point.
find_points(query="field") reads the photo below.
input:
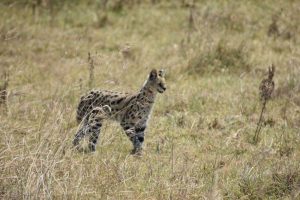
(199, 140)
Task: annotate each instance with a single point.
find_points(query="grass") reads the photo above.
(199, 139)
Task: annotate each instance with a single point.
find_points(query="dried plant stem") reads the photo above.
(3, 94)
(80, 85)
(215, 193)
(191, 16)
(259, 123)
(266, 88)
(172, 156)
(91, 69)
(191, 20)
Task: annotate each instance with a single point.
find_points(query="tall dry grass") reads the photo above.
(199, 139)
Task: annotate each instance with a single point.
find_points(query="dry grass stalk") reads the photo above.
(91, 69)
(192, 16)
(3, 93)
(172, 156)
(34, 5)
(80, 85)
(191, 20)
(266, 88)
(215, 192)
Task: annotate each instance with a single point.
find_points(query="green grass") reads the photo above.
(199, 139)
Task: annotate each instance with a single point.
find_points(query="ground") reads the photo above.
(199, 141)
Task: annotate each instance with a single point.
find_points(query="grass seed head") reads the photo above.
(267, 85)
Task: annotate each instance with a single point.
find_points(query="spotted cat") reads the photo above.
(132, 111)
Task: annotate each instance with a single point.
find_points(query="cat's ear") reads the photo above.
(153, 74)
(161, 73)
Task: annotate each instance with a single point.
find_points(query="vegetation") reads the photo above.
(199, 143)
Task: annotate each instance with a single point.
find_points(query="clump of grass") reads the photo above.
(289, 87)
(215, 124)
(278, 184)
(273, 30)
(3, 93)
(285, 147)
(266, 89)
(287, 30)
(102, 19)
(229, 18)
(116, 5)
(215, 192)
(221, 58)
(283, 183)
(101, 12)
